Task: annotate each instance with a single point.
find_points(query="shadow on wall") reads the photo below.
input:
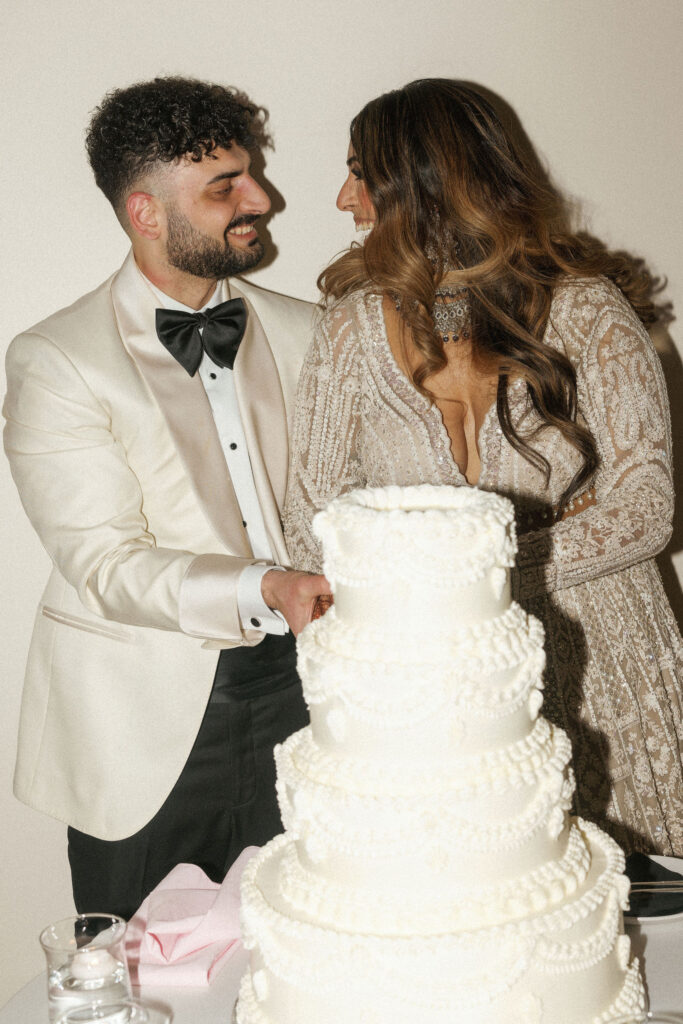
(277, 205)
(673, 374)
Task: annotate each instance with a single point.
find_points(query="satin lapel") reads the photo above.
(183, 402)
(264, 418)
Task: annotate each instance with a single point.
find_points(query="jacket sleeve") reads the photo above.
(86, 504)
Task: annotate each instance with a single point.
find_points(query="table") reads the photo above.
(659, 946)
(212, 1005)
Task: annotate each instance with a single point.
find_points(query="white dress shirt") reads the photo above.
(219, 385)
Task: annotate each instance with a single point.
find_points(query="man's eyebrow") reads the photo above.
(352, 160)
(224, 175)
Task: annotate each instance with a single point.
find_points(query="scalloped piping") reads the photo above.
(481, 773)
(630, 1001)
(332, 635)
(547, 885)
(417, 695)
(416, 529)
(425, 822)
(259, 916)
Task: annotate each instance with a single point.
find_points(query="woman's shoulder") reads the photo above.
(586, 300)
(352, 318)
(354, 303)
(584, 313)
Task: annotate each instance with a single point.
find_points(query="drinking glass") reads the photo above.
(125, 1011)
(86, 963)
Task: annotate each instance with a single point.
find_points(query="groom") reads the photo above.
(147, 435)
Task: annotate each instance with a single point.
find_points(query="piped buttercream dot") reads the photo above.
(336, 723)
(498, 577)
(531, 1009)
(623, 951)
(260, 985)
(555, 822)
(538, 899)
(535, 701)
(556, 891)
(316, 849)
(301, 801)
(623, 887)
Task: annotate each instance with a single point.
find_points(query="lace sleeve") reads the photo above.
(623, 399)
(323, 461)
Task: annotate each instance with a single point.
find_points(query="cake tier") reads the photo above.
(629, 1006)
(567, 963)
(432, 900)
(478, 687)
(416, 560)
(425, 536)
(357, 822)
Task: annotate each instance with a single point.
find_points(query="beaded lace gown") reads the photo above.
(614, 652)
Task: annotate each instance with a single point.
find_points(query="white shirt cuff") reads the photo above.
(253, 611)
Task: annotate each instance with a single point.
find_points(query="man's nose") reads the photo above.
(255, 198)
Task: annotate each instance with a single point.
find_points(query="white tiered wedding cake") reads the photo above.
(430, 872)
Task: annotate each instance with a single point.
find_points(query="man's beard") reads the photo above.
(195, 253)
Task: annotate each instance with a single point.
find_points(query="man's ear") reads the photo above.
(144, 214)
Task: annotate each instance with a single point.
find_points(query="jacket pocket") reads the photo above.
(87, 625)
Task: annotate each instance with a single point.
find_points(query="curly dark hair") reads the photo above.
(162, 120)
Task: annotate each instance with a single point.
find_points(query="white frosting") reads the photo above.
(425, 536)
(431, 902)
(429, 870)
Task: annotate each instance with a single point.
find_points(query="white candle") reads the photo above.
(93, 964)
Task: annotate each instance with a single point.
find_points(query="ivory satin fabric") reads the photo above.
(115, 453)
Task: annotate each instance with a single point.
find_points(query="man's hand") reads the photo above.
(294, 594)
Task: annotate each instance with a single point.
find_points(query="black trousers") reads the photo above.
(224, 798)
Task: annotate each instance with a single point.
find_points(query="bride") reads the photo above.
(475, 339)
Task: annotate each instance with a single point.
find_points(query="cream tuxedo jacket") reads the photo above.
(115, 453)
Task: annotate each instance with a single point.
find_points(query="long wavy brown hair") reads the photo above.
(455, 192)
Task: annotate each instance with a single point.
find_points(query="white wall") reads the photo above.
(596, 84)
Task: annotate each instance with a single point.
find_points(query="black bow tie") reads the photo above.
(223, 327)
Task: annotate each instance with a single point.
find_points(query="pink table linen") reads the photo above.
(187, 928)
